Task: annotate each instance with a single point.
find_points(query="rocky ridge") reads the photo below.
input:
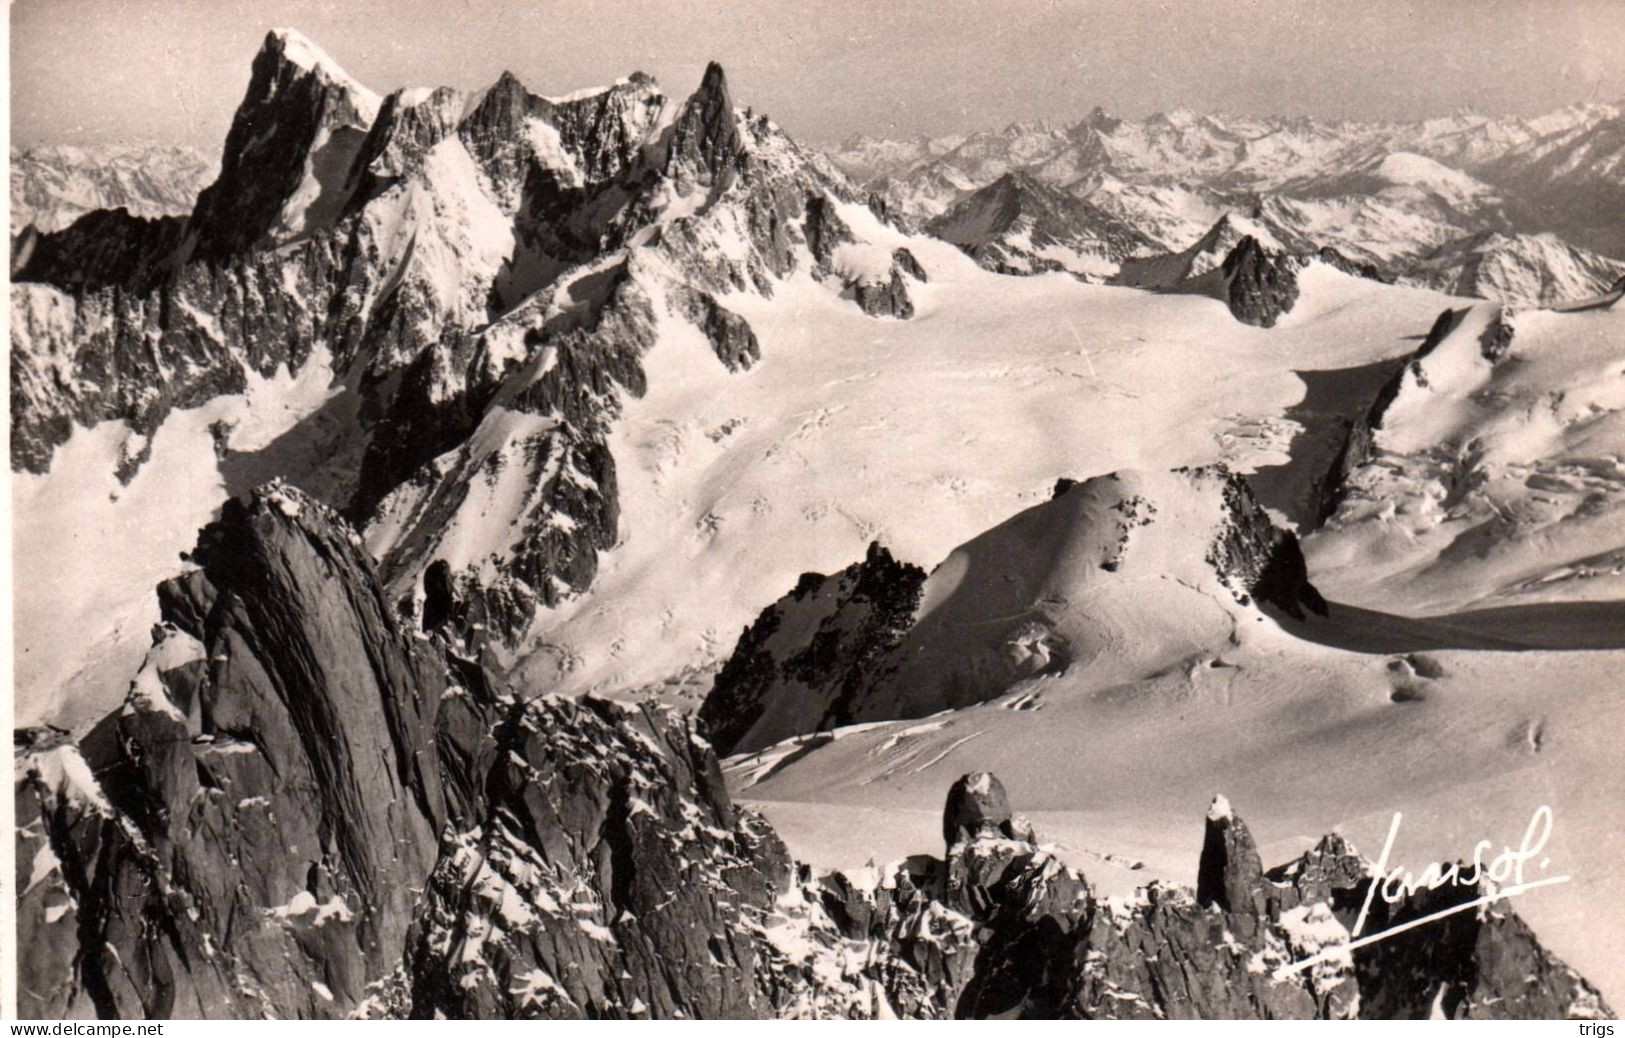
(1001, 928)
(1439, 466)
(1534, 270)
(481, 275)
(307, 809)
(879, 641)
(304, 809)
(1020, 225)
(1241, 262)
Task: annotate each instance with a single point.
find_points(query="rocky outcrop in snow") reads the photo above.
(885, 296)
(1254, 555)
(831, 638)
(825, 231)
(705, 139)
(1000, 927)
(729, 334)
(1243, 264)
(1259, 288)
(1198, 262)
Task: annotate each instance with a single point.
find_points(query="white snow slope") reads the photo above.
(91, 550)
(920, 434)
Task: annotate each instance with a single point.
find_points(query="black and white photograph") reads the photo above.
(753, 509)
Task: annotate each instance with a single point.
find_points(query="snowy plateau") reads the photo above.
(598, 556)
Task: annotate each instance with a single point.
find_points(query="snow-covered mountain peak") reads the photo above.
(284, 168)
(1097, 119)
(1232, 227)
(295, 47)
(1199, 526)
(1019, 224)
(1205, 256)
(1178, 118)
(706, 136)
(1404, 167)
(409, 122)
(636, 80)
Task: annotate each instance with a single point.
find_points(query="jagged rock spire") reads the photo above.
(706, 136)
(302, 116)
(1231, 874)
(502, 111)
(298, 609)
(409, 123)
(268, 795)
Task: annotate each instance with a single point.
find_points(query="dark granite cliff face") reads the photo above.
(244, 835)
(705, 141)
(305, 809)
(298, 129)
(101, 249)
(605, 874)
(830, 638)
(406, 128)
(113, 354)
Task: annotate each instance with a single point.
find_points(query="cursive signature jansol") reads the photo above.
(1505, 873)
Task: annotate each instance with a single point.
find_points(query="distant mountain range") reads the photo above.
(53, 186)
(1518, 210)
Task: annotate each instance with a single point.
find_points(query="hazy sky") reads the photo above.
(174, 70)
